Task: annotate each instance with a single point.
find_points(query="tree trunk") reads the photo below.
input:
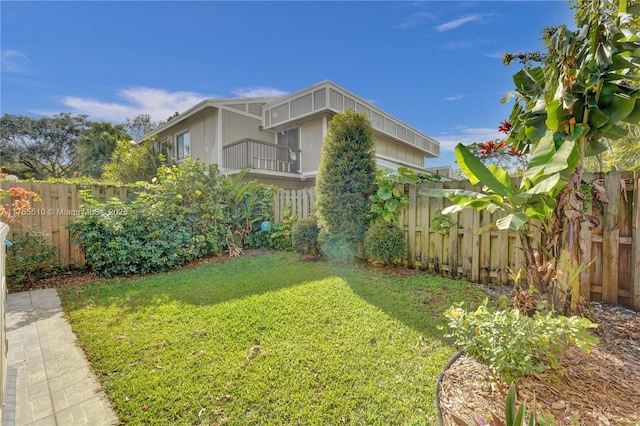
(569, 258)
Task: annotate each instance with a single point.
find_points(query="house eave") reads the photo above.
(198, 108)
(327, 97)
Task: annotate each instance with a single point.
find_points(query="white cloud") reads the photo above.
(414, 20)
(454, 98)
(158, 103)
(259, 92)
(496, 55)
(466, 136)
(458, 22)
(14, 61)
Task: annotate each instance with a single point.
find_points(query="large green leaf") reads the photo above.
(594, 148)
(615, 132)
(634, 116)
(513, 221)
(501, 174)
(597, 118)
(560, 160)
(556, 115)
(540, 156)
(535, 127)
(477, 172)
(547, 186)
(525, 82)
(618, 106)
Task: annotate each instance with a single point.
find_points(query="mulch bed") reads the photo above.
(600, 388)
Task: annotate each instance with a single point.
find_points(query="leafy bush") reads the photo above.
(248, 204)
(188, 211)
(305, 237)
(345, 181)
(384, 242)
(514, 345)
(178, 218)
(30, 257)
(280, 234)
(389, 198)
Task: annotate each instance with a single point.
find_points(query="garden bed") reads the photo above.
(600, 388)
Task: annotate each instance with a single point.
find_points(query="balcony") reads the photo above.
(260, 155)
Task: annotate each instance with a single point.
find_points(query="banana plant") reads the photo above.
(586, 88)
(531, 201)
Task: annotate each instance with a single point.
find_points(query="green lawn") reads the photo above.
(267, 340)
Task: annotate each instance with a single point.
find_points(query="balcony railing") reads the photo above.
(260, 155)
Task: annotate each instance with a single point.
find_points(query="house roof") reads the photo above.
(321, 98)
(327, 96)
(231, 103)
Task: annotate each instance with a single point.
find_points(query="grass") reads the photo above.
(267, 340)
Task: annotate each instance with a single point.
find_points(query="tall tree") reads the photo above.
(41, 148)
(345, 181)
(97, 144)
(139, 126)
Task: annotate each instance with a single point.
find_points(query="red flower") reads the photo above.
(505, 127)
(490, 147)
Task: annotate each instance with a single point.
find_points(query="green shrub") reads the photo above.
(177, 219)
(30, 257)
(188, 211)
(345, 181)
(280, 235)
(384, 242)
(513, 345)
(305, 237)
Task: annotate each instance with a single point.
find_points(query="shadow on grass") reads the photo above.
(417, 301)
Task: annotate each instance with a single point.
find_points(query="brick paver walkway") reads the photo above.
(48, 379)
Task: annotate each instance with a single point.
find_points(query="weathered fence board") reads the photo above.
(60, 204)
(613, 277)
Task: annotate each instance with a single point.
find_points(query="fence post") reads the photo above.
(635, 246)
(611, 239)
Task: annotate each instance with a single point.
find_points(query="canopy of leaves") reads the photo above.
(41, 148)
(97, 145)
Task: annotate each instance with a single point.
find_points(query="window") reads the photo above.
(289, 149)
(183, 145)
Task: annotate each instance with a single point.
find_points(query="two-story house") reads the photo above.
(279, 138)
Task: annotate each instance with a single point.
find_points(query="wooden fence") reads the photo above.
(458, 251)
(301, 203)
(59, 205)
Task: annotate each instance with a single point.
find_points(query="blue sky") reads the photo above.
(435, 65)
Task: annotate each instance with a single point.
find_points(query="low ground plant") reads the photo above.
(30, 256)
(514, 345)
(267, 340)
(304, 236)
(384, 242)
